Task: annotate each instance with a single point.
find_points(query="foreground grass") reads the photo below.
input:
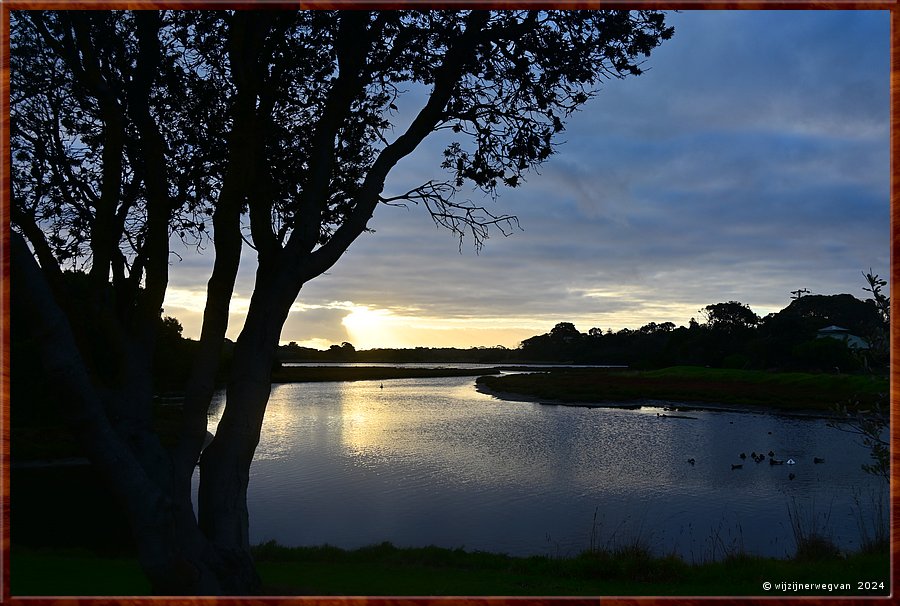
(786, 391)
(388, 570)
(73, 572)
(304, 374)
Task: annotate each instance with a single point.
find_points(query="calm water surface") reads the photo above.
(433, 461)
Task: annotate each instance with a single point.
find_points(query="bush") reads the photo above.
(736, 361)
(825, 355)
(815, 548)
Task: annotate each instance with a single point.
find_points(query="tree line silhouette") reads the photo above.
(729, 335)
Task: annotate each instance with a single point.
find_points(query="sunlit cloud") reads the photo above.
(370, 328)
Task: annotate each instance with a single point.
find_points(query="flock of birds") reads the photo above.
(759, 458)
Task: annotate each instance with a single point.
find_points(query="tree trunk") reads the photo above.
(176, 556)
(225, 464)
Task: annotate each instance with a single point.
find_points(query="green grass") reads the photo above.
(388, 570)
(73, 572)
(786, 391)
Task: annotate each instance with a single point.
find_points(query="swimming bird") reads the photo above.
(691, 461)
(743, 456)
(817, 460)
(738, 466)
(771, 454)
(791, 476)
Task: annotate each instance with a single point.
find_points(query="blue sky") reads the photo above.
(750, 159)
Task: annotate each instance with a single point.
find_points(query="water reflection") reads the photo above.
(433, 461)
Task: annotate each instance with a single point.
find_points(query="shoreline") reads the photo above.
(672, 405)
(323, 374)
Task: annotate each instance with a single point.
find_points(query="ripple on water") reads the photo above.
(425, 461)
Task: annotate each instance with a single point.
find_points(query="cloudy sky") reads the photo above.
(749, 160)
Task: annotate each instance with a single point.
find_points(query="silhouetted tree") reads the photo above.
(730, 316)
(873, 426)
(171, 359)
(877, 334)
(844, 310)
(344, 351)
(653, 327)
(882, 302)
(129, 129)
(565, 331)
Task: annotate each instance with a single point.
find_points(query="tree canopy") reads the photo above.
(730, 316)
(133, 130)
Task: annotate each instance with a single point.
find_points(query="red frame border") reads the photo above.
(9, 5)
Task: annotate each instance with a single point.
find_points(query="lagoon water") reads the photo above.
(435, 462)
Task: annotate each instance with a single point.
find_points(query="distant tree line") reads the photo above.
(731, 335)
(346, 352)
(728, 335)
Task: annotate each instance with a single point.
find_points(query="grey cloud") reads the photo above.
(820, 72)
(316, 324)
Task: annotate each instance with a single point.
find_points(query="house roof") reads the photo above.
(834, 329)
(843, 334)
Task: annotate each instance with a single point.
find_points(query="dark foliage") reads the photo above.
(133, 129)
(732, 337)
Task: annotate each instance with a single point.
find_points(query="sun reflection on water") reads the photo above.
(434, 461)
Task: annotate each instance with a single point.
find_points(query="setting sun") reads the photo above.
(368, 327)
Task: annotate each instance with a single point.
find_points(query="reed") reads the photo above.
(811, 535)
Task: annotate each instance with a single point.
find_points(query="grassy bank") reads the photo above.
(388, 570)
(787, 391)
(305, 374)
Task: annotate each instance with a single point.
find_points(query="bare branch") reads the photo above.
(458, 217)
